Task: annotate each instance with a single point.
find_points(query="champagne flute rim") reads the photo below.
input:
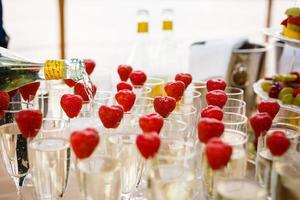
(238, 143)
(237, 122)
(240, 91)
(197, 94)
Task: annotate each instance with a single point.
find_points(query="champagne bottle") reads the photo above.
(140, 55)
(166, 59)
(16, 71)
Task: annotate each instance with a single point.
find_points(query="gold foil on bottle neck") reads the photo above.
(53, 69)
(167, 25)
(142, 27)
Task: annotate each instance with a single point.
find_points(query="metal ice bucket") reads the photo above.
(245, 67)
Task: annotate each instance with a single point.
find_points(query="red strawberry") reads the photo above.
(215, 84)
(277, 142)
(4, 101)
(209, 128)
(84, 142)
(269, 106)
(185, 78)
(110, 116)
(216, 98)
(125, 98)
(138, 78)
(164, 105)
(71, 104)
(212, 112)
(29, 90)
(148, 144)
(70, 82)
(218, 153)
(1, 114)
(89, 65)
(124, 71)
(123, 85)
(285, 22)
(152, 122)
(260, 123)
(294, 20)
(12, 93)
(296, 92)
(175, 89)
(29, 122)
(80, 90)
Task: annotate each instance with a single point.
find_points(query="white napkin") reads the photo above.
(289, 57)
(211, 58)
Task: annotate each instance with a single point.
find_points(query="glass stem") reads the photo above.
(18, 187)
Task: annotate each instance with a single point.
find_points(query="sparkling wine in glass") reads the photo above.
(50, 163)
(171, 174)
(99, 178)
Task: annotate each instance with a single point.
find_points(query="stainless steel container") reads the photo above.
(245, 67)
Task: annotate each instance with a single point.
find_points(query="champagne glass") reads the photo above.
(171, 173)
(144, 91)
(264, 158)
(289, 116)
(156, 85)
(14, 146)
(188, 115)
(235, 121)
(234, 93)
(199, 87)
(236, 167)
(142, 106)
(192, 98)
(242, 189)
(103, 98)
(286, 176)
(235, 106)
(122, 146)
(49, 158)
(99, 177)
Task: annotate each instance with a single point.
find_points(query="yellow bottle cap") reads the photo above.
(142, 27)
(167, 25)
(54, 69)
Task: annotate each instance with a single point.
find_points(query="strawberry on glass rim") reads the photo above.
(126, 99)
(175, 89)
(185, 78)
(29, 122)
(138, 78)
(269, 106)
(277, 142)
(148, 144)
(216, 98)
(260, 123)
(124, 71)
(124, 85)
(215, 84)
(209, 128)
(4, 101)
(164, 105)
(151, 122)
(89, 65)
(110, 116)
(71, 104)
(29, 90)
(81, 90)
(70, 82)
(212, 112)
(217, 153)
(84, 142)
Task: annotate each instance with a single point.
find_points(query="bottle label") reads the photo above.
(142, 27)
(167, 25)
(54, 69)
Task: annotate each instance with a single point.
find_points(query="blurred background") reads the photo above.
(105, 29)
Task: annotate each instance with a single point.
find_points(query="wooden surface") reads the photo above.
(8, 191)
